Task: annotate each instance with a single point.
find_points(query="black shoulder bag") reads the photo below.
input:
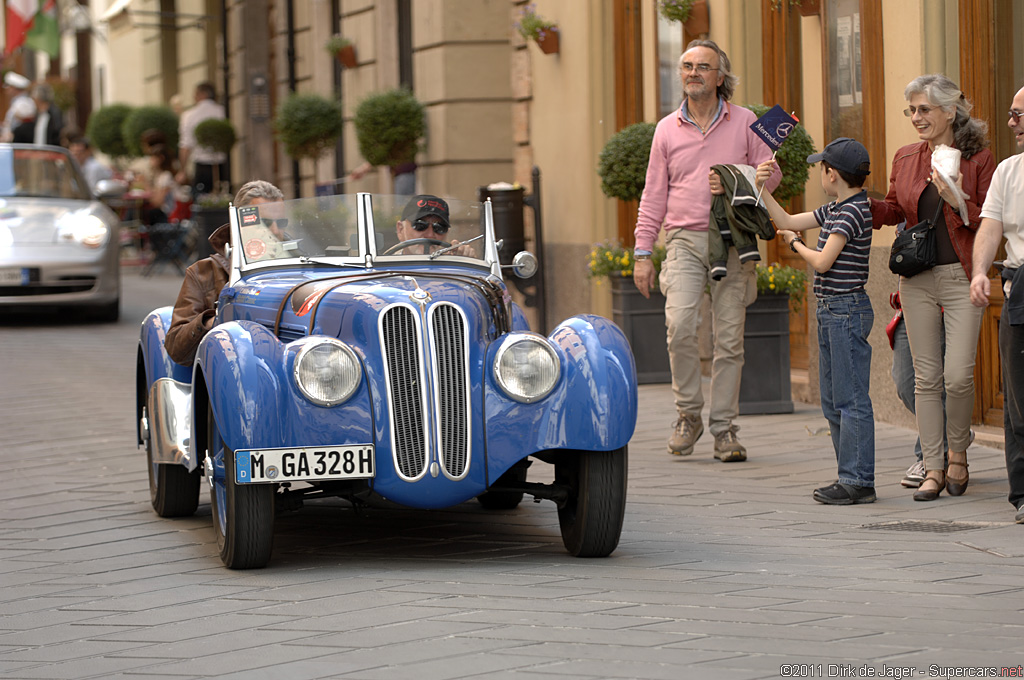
(914, 249)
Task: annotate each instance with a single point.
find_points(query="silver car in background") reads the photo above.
(59, 244)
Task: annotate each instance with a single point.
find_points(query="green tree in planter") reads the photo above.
(217, 134)
(145, 118)
(104, 129)
(389, 126)
(308, 125)
(792, 159)
(622, 164)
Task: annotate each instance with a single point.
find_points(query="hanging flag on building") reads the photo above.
(20, 14)
(774, 126)
(44, 35)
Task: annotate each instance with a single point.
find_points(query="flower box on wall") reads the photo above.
(699, 22)
(347, 56)
(547, 41)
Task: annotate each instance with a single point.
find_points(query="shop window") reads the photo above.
(670, 47)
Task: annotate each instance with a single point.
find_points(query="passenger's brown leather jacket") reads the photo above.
(194, 308)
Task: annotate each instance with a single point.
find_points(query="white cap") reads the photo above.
(16, 80)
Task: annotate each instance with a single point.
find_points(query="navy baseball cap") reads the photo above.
(423, 205)
(845, 154)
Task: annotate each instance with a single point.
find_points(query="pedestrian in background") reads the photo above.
(17, 87)
(936, 303)
(203, 158)
(707, 129)
(1003, 215)
(844, 314)
(92, 168)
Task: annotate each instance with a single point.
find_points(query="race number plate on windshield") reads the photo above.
(301, 465)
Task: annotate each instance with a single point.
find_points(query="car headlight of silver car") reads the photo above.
(526, 367)
(327, 372)
(89, 230)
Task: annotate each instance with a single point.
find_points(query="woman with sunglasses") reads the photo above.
(938, 300)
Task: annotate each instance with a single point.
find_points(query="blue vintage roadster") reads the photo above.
(347, 363)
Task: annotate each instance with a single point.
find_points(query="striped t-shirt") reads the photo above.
(852, 219)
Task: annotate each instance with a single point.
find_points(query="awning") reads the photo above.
(115, 8)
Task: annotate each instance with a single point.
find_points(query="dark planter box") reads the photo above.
(765, 385)
(643, 321)
(208, 220)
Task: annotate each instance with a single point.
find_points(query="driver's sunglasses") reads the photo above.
(423, 225)
(281, 223)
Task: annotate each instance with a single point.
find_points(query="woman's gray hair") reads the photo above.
(728, 87)
(970, 135)
(255, 189)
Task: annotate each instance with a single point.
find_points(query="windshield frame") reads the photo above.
(366, 231)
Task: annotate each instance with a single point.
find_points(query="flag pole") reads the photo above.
(758, 200)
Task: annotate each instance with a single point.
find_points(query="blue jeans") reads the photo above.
(903, 377)
(844, 369)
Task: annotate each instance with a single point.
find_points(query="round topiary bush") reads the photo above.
(144, 118)
(217, 134)
(389, 126)
(622, 164)
(792, 159)
(307, 125)
(104, 129)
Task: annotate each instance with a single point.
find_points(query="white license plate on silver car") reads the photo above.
(314, 463)
(13, 276)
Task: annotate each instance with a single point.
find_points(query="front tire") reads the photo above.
(243, 514)
(591, 520)
(173, 490)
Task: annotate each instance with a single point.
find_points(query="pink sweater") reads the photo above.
(676, 192)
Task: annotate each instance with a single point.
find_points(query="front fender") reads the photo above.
(152, 362)
(593, 408)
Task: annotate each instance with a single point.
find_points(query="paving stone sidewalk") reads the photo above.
(723, 571)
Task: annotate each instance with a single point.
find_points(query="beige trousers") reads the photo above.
(933, 299)
(685, 275)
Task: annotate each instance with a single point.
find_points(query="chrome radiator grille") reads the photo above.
(402, 354)
(449, 333)
(407, 376)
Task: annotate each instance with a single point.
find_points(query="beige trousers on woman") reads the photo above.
(930, 299)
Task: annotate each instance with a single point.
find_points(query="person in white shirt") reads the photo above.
(205, 159)
(92, 168)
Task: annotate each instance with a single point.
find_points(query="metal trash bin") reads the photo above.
(507, 208)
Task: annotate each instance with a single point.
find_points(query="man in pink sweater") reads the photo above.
(706, 130)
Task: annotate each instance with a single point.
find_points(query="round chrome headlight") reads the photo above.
(526, 368)
(327, 372)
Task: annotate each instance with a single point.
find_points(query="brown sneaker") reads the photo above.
(685, 434)
(728, 449)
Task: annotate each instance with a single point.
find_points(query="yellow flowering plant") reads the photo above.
(774, 279)
(614, 259)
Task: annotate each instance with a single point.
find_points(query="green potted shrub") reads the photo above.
(104, 130)
(622, 164)
(211, 210)
(308, 125)
(389, 126)
(145, 118)
(676, 10)
(792, 159)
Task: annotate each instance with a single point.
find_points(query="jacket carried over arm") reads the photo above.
(911, 170)
(736, 219)
(194, 310)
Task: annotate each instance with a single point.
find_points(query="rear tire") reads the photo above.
(243, 514)
(173, 490)
(591, 520)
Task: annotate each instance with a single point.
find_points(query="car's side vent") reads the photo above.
(401, 349)
(448, 329)
(286, 333)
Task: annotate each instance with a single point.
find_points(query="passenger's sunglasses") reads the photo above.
(1016, 116)
(423, 225)
(281, 223)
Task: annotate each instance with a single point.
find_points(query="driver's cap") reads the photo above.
(423, 205)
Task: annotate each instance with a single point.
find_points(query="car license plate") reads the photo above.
(13, 276)
(305, 464)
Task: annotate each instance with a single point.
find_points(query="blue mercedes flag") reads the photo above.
(774, 126)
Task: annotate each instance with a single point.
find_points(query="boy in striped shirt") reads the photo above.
(844, 312)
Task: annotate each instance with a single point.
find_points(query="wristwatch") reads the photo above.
(642, 257)
(793, 242)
